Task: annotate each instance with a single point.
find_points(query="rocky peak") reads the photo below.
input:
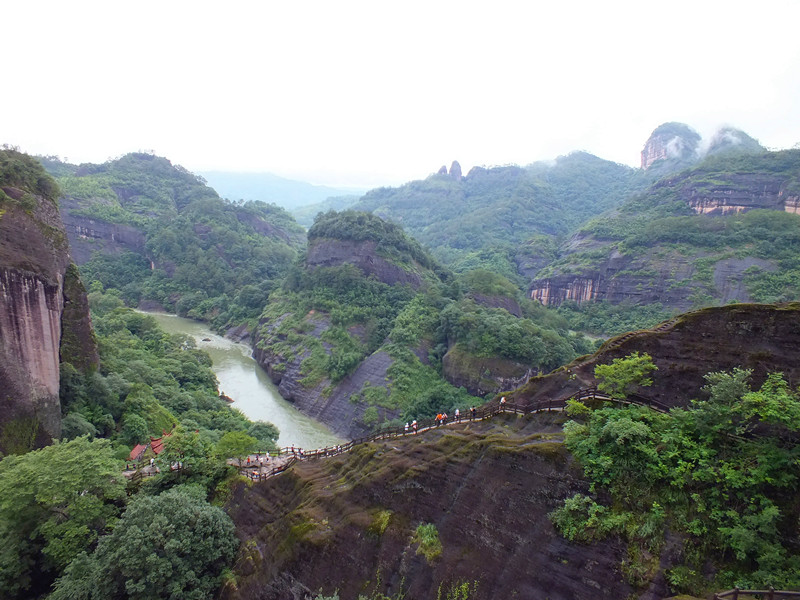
(670, 141)
(455, 170)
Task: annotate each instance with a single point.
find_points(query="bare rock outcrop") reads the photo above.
(325, 401)
(486, 487)
(483, 375)
(651, 277)
(761, 337)
(88, 235)
(327, 252)
(670, 141)
(34, 260)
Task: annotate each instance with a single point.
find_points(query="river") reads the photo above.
(253, 393)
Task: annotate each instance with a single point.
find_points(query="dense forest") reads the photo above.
(67, 513)
(202, 256)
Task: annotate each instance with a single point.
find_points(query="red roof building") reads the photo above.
(157, 444)
(138, 452)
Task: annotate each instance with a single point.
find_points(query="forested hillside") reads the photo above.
(724, 230)
(68, 517)
(490, 218)
(72, 525)
(369, 328)
(160, 235)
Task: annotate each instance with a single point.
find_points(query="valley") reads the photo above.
(135, 299)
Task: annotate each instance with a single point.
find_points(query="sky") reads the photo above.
(372, 93)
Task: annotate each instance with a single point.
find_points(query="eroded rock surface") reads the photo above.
(33, 267)
(761, 337)
(325, 401)
(363, 255)
(346, 522)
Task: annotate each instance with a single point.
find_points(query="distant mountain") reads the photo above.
(492, 217)
(305, 214)
(725, 230)
(287, 193)
(673, 147)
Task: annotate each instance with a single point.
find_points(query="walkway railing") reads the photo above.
(770, 594)
(255, 470)
(486, 411)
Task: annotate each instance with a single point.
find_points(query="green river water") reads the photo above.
(253, 393)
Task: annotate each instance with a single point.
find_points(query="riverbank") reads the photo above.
(241, 378)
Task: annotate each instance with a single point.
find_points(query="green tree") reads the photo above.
(134, 429)
(265, 433)
(186, 447)
(236, 444)
(175, 545)
(624, 375)
(54, 503)
(724, 473)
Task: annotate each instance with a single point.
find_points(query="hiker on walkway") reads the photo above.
(503, 404)
(458, 416)
(414, 426)
(474, 412)
(444, 418)
(405, 429)
(438, 419)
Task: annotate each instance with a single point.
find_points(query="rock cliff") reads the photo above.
(677, 243)
(324, 401)
(735, 192)
(761, 337)
(90, 234)
(652, 276)
(347, 523)
(670, 142)
(361, 254)
(482, 375)
(34, 261)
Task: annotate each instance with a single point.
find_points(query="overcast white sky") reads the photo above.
(377, 92)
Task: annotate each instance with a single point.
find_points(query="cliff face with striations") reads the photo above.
(361, 254)
(736, 192)
(481, 375)
(652, 276)
(761, 337)
(347, 523)
(34, 262)
(323, 401)
(88, 235)
(674, 142)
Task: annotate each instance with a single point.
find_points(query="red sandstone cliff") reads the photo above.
(34, 260)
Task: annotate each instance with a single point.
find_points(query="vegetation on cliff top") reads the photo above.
(336, 317)
(20, 170)
(721, 474)
(392, 242)
(666, 245)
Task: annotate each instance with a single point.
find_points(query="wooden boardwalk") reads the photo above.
(285, 457)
